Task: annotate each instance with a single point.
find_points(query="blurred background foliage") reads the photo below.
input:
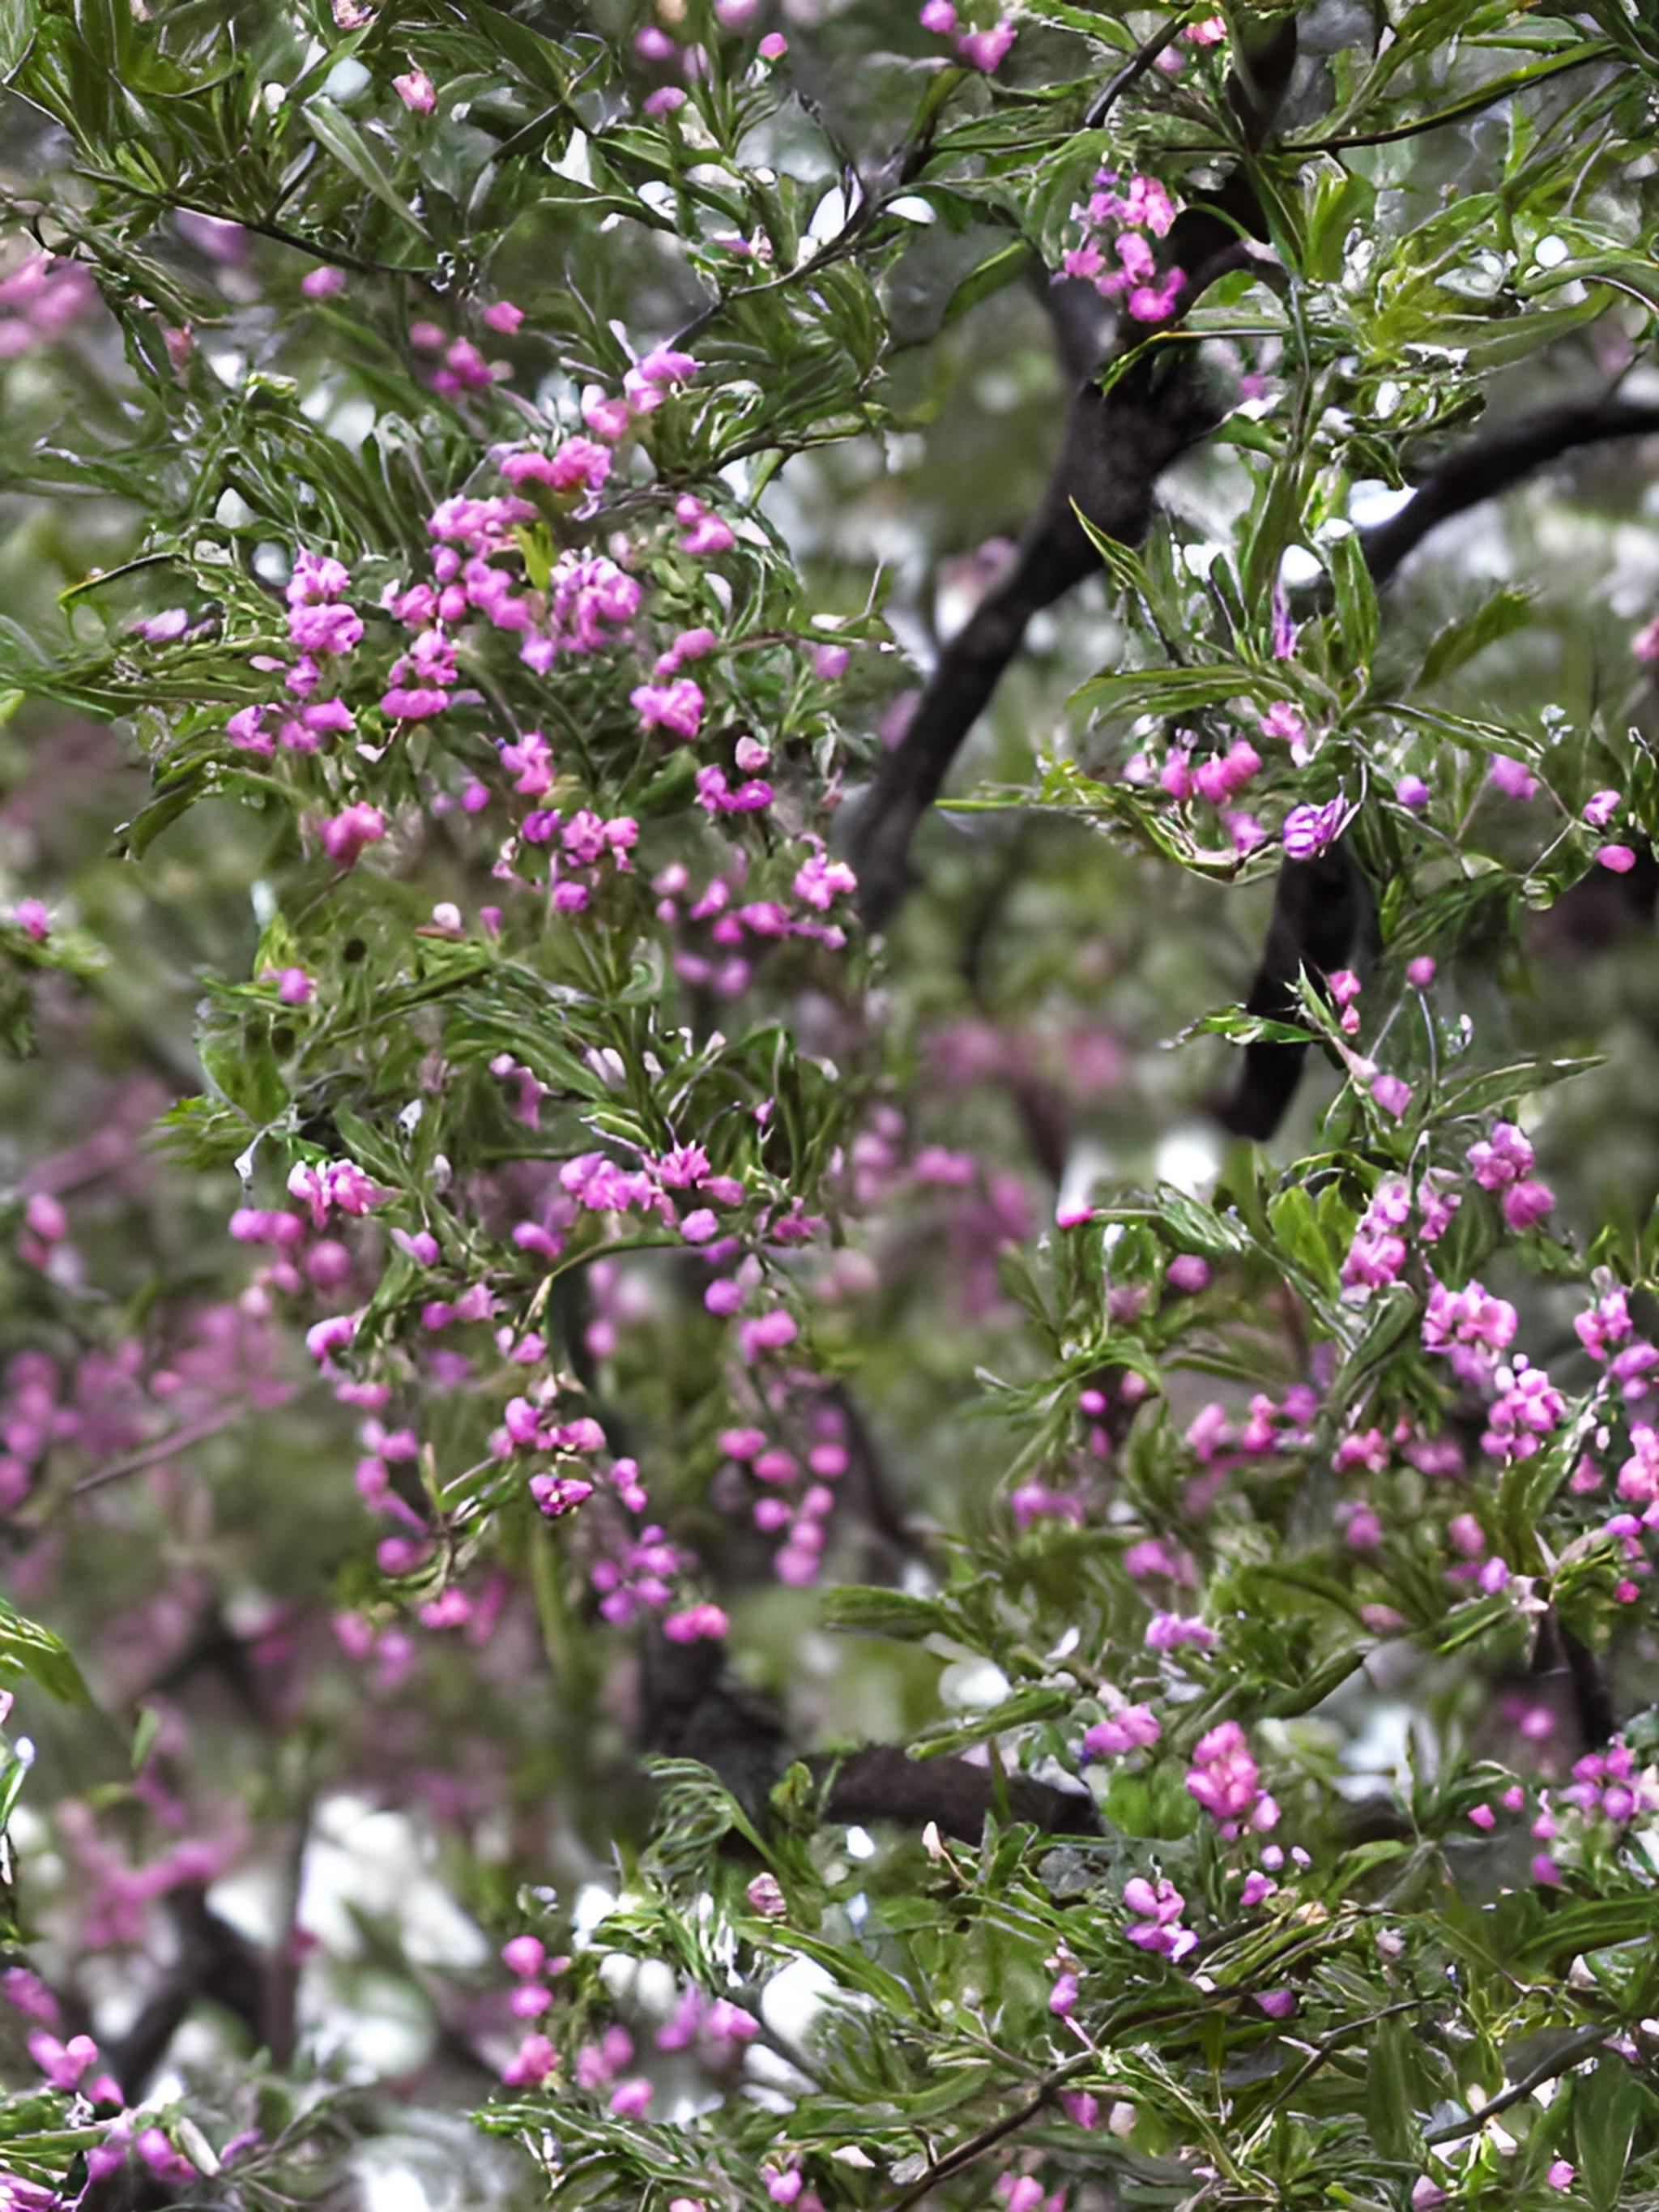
(175, 422)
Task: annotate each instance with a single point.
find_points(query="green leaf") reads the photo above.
(1294, 1223)
(1461, 639)
(882, 1612)
(44, 1657)
(1605, 2109)
(993, 275)
(337, 134)
(1388, 2091)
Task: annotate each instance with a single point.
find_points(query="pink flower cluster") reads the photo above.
(1131, 1728)
(982, 49)
(1606, 1784)
(1157, 1924)
(1471, 1326)
(1503, 1162)
(1225, 1778)
(1122, 223)
(796, 1485)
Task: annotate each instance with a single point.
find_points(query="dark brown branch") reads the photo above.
(1130, 74)
(1116, 445)
(1321, 906)
(1495, 464)
(1567, 2055)
(215, 1963)
(692, 1709)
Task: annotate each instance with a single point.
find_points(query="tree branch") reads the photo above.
(1116, 445)
(1562, 2061)
(1321, 906)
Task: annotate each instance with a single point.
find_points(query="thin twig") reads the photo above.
(152, 1454)
(1130, 74)
(965, 2154)
(1548, 2069)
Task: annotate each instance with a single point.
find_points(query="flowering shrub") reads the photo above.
(732, 1539)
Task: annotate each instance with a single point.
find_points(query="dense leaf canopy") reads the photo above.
(738, 1466)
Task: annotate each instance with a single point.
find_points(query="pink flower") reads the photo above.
(1412, 791)
(676, 706)
(1619, 857)
(1226, 1781)
(1560, 2174)
(1393, 1095)
(985, 49)
(343, 835)
(1512, 777)
(1309, 829)
(1282, 719)
(1525, 1204)
(1131, 1728)
(524, 1956)
(939, 17)
(63, 2064)
(323, 284)
(698, 1623)
(32, 917)
(773, 47)
(1157, 1926)
(416, 91)
(530, 2064)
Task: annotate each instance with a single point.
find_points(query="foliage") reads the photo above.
(494, 469)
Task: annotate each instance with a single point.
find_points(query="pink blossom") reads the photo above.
(1512, 777)
(1309, 829)
(416, 91)
(1620, 859)
(345, 835)
(1132, 1727)
(676, 706)
(1226, 1781)
(1283, 720)
(1157, 1926)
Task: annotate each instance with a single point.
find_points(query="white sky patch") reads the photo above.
(1189, 1159)
(793, 2000)
(1299, 567)
(1371, 501)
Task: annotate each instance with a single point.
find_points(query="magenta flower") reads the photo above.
(1309, 829)
(416, 91)
(676, 706)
